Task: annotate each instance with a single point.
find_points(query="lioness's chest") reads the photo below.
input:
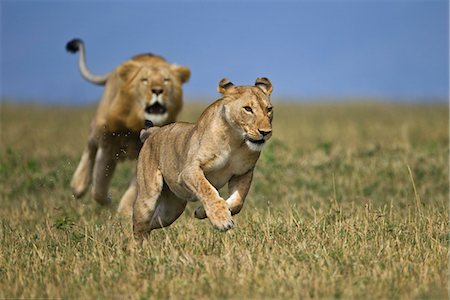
(228, 164)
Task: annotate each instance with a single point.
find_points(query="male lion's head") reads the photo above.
(248, 110)
(155, 85)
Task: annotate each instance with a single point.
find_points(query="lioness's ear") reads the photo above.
(225, 85)
(264, 84)
(183, 73)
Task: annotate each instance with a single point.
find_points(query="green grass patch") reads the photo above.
(333, 212)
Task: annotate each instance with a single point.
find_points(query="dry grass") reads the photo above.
(348, 201)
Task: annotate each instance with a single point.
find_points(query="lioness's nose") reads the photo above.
(265, 132)
(157, 90)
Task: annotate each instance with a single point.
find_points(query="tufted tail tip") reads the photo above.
(73, 46)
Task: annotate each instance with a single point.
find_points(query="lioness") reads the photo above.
(145, 87)
(184, 162)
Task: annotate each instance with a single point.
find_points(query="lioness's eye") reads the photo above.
(166, 80)
(144, 81)
(269, 109)
(248, 108)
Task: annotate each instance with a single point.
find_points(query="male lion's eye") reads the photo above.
(166, 80)
(248, 108)
(269, 109)
(144, 81)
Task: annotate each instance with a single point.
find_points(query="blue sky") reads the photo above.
(309, 49)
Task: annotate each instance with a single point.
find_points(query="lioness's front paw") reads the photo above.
(221, 219)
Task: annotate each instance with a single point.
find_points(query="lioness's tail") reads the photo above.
(76, 45)
(145, 133)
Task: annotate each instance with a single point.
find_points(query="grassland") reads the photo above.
(348, 201)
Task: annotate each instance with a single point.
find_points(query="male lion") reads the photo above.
(145, 87)
(184, 162)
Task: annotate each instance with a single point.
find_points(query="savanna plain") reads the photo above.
(349, 200)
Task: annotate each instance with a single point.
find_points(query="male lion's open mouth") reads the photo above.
(157, 113)
(156, 109)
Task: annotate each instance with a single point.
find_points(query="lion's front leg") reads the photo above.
(215, 207)
(125, 208)
(83, 174)
(238, 187)
(105, 164)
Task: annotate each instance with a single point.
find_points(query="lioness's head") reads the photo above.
(156, 85)
(248, 110)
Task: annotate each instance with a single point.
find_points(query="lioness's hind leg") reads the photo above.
(83, 174)
(149, 191)
(168, 209)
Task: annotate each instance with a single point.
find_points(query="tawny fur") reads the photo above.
(184, 162)
(114, 131)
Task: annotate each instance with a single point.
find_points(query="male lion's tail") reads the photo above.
(145, 133)
(76, 45)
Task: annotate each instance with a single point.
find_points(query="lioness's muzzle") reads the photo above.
(258, 142)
